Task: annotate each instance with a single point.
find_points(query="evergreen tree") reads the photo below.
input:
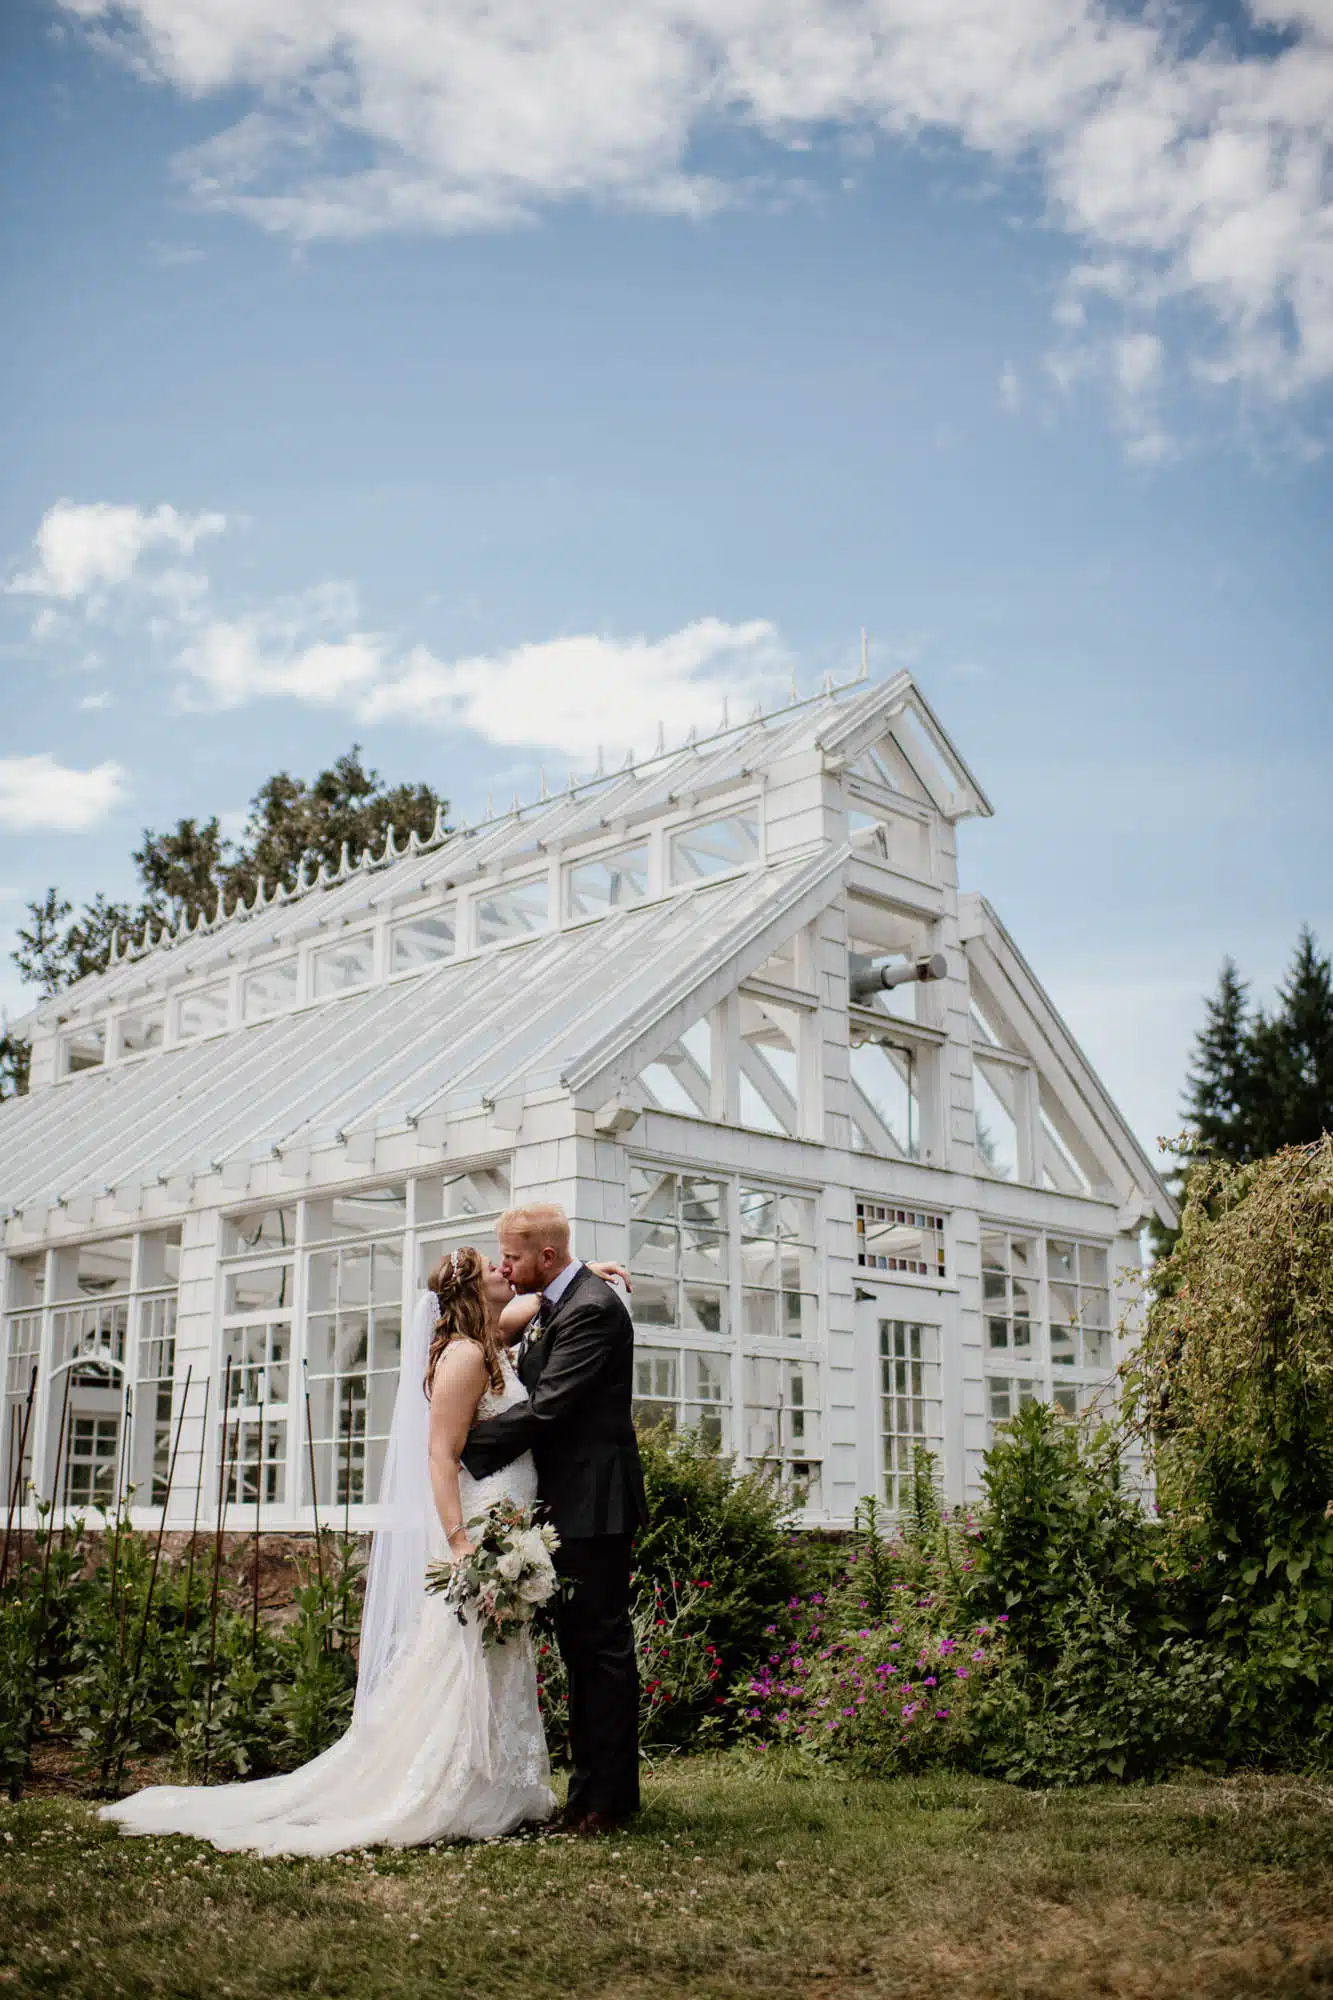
(1294, 1054)
(184, 872)
(1222, 1083)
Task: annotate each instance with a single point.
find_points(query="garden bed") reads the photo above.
(744, 1876)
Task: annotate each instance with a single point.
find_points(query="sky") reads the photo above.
(482, 383)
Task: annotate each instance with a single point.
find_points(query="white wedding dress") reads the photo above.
(447, 1744)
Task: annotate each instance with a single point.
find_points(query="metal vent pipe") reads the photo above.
(867, 978)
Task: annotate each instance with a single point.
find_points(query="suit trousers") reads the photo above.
(597, 1645)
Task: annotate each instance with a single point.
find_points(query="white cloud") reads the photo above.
(96, 701)
(81, 548)
(37, 794)
(1011, 390)
(566, 695)
(1186, 167)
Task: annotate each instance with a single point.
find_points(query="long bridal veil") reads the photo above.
(399, 1552)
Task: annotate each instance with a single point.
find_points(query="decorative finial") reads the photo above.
(795, 697)
(726, 713)
(542, 792)
(344, 863)
(660, 751)
(438, 829)
(601, 762)
(865, 656)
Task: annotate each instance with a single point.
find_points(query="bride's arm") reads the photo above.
(457, 1387)
(609, 1273)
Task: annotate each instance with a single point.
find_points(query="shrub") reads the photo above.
(718, 1532)
(1233, 1388)
(895, 1695)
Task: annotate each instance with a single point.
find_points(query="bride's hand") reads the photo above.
(608, 1273)
(461, 1545)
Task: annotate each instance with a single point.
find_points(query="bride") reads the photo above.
(446, 1737)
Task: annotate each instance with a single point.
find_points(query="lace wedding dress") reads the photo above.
(446, 1745)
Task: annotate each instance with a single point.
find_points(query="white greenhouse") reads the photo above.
(860, 1216)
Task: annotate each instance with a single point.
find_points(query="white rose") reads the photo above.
(533, 1549)
(511, 1565)
(535, 1589)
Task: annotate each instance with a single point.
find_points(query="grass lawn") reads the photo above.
(742, 1879)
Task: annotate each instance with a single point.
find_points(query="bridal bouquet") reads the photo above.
(506, 1578)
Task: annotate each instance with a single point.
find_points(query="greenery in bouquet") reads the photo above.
(507, 1576)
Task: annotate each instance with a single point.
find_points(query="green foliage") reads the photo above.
(186, 871)
(112, 1661)
(721, 1533)
(1112, 1704)
(15, 1064)
(1057, 1508)
(1233, 1389)
(680, 1673)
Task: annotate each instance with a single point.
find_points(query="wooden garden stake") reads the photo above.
(259, 1494)
(148, 1598)
(194, 1525)
(16, 1485)
(217, 1565)
(16, 1782)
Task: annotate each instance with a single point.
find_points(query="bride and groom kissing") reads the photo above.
(446, 1740)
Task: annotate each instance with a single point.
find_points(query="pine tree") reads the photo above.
(1294, 1054)
(1219, 1101)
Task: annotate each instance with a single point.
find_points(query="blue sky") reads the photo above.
(363, 378)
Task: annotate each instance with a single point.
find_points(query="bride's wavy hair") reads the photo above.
(459, 1284)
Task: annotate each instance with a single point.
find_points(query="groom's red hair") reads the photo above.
(540, 1226)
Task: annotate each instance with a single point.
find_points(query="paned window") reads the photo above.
(460, 1209)
(608, 882)
(680, 1079)
(422, 941)
(679, 1251)
(260, 1356)
(92, 1451)
(996, 1092)
(354, 1342)
(724, 1285)
(270, 990)
(107, 1327)
(770, 1078)
(909, 1400)
(686, 1388)
(519, 909)
(154, 1404)
(138, 1033)
(718, 847)
(782, 1414)
(85, 1048)
(1046, 1303)
(260, 1229)
(886, 1112)
(1010, 1289)
(1079, 1278)
(23, 1343)
(258, 1293)
(1006, 1395)
(342, 967)
(202, 1013)
(779, 1299)
(908, 1240)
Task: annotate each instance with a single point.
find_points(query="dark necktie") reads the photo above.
(532, 1332)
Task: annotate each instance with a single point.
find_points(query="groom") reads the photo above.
(577, 1364)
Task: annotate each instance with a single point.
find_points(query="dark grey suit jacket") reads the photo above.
(577, 1423)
